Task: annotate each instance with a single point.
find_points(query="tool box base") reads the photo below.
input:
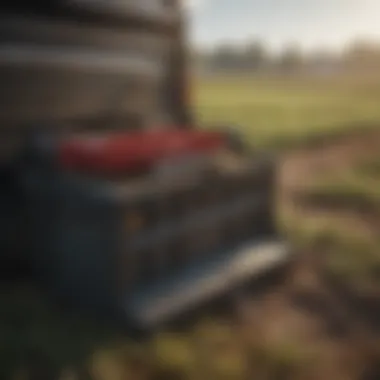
(151, 307)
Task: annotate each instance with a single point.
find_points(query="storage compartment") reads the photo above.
(98, 242)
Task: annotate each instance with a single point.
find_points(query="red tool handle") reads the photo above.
(134, 150)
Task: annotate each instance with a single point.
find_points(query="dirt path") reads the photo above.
(303, 167)
(306, 309)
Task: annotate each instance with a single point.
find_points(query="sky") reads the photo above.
(313, 24)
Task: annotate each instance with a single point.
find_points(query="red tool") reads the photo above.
(131, 151)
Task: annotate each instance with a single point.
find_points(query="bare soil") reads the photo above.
(308, 308)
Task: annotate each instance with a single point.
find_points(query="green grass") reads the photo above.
(34, 331)
(369, 168)
(357, 189)
(211, 349)
(288, 111)
(356, 194)
(282, 360)
(354, 261)
(352, 258)
(348, 256)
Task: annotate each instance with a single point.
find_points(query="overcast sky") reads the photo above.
(312, 23)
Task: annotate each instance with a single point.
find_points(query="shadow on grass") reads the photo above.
(317, 304)
(43, 339)
(338, 197)
(356, 189)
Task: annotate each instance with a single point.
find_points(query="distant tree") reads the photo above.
(322, 61)
(363, 53)
(226, 56)
(255, 55)
(291, 58)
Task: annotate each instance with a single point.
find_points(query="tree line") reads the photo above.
(255, 56)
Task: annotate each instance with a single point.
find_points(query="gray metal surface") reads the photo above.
(50, 85)
(58, 68)
(197, 220)
(159, 11)
(44, 31)
(69, 76)
(203, 281)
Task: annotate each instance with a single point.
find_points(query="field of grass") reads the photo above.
(288, 111)
(357, 188)
(357, 193)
